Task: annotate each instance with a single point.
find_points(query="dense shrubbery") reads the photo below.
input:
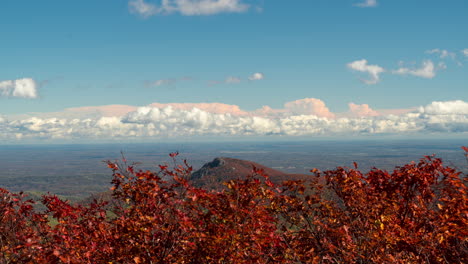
(417, 214)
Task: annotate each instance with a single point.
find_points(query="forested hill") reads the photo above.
(222, 169)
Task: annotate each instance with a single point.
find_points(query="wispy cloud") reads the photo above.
(142, 8)
(232, 80)
(166, 82)
(427, 70)
(374, 71)
(24, 88)
(443, 54)
(161, 82)
(367, 3)
(187, 7)
(235, 79)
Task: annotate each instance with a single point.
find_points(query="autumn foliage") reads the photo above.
(415, 214)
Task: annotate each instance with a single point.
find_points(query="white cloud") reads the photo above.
(257, 76)
(298, 118)
(143, 8)
(6, 87)
(309, 106)
(232, 80)
(427, 70)
(165, 122)
(24, 88)
(367, 3)
(465, 52)
(306, 106)
(372, 70)
(187, 7)
(209, 7)
(215, 108)
(456, 107)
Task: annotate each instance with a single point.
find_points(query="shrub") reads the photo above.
(418, 213)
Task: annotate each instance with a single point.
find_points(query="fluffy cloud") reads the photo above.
(465, 52)
(367, 3)
(187, 7)
(362, 110)
(298, 118)
(306, 106)
(257, 76)
(427, 70)
(207, 7)
(373, 70)
(309, 106)
(457, 107)
(24, 88)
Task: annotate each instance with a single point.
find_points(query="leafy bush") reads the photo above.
(416, 214)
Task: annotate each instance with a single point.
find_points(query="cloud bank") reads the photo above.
(186, 7)
(23, 88)
(307, 117)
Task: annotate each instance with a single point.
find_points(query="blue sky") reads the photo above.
(385, 54)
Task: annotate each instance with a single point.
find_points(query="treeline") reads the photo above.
(416, 214)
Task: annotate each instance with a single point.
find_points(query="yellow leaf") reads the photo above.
(441, 239)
